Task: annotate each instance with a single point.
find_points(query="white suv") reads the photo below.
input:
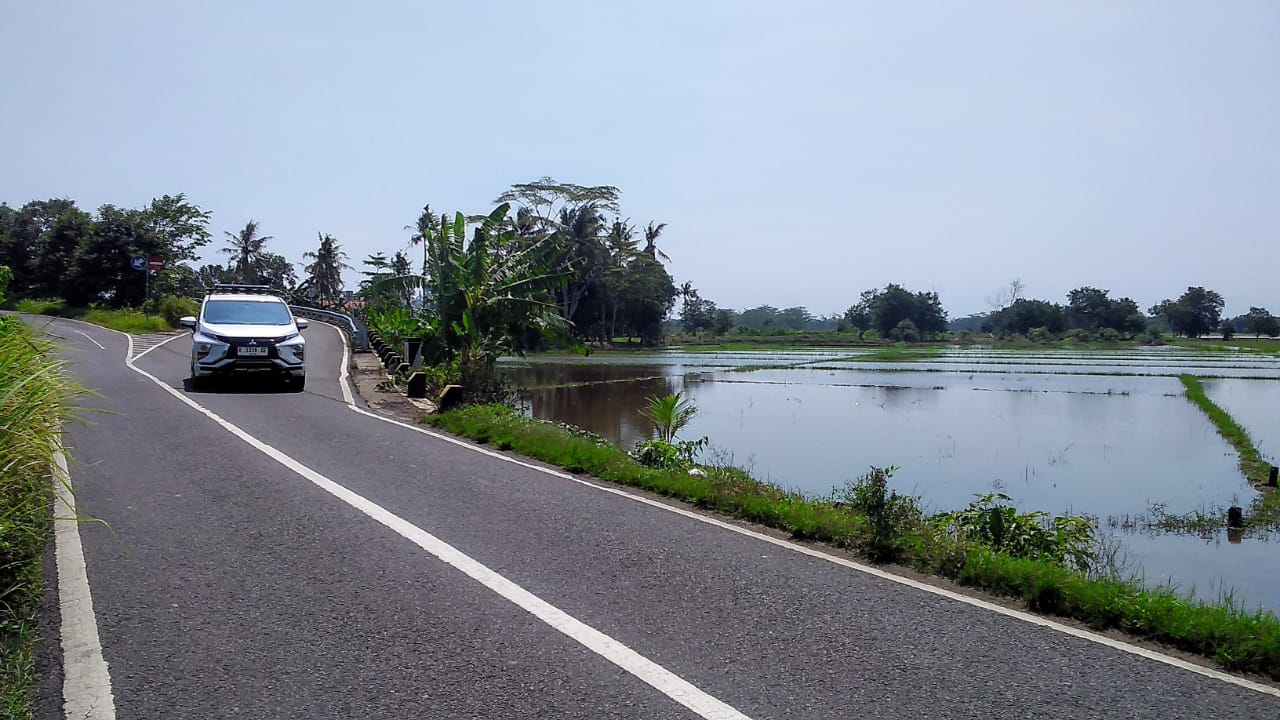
(243, 329)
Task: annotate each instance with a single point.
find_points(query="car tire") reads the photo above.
(199, 384)
(298, 384)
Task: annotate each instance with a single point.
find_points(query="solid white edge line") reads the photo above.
(86, 680)
(803, 550)
(658, 677)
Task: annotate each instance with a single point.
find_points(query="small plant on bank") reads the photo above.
(990, 521)
(891, 516)
(669, 415)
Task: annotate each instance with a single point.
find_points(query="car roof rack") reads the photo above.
(237, 288)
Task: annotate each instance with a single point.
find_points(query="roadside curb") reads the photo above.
(86, 680)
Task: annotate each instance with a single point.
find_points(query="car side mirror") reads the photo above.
(302, 323)
(188, 322)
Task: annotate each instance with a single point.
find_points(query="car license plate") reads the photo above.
(253, 351)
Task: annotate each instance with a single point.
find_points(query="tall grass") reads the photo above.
(49, 306)
(34, 396)
(1225, 631)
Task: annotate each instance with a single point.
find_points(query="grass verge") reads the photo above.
(34, 393)
(129, 321)
(1234, 637)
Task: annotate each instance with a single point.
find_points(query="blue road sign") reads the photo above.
(138, 262)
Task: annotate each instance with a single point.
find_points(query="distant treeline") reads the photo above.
(899, 314)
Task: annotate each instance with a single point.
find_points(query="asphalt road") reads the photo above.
(227, 584)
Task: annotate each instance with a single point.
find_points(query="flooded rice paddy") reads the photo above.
(1107, 434)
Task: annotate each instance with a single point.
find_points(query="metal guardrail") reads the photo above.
(352, 326)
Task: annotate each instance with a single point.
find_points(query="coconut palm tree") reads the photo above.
(669, 414)
(651, 233)
(324, 276)
(248, 252)
(426, 226)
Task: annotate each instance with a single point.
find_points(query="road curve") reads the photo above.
(229, 583)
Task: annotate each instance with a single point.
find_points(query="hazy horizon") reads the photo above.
(799, 154)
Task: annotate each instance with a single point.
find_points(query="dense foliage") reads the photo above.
(897, 314)
(1196, 312)
(554, 263)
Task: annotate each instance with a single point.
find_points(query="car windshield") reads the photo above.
(246, 312)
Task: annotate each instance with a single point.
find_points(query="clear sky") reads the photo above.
(799, 151)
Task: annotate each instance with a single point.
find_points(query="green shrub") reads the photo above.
(891, 516)
(679, 455)
(989, 521)
(1039, 335)
(173, 308)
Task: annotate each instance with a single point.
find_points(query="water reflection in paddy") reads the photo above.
(1104, 445)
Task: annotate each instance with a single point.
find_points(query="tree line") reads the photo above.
(54, 249)
(1092, 311)
(613, 282)
(896, 313)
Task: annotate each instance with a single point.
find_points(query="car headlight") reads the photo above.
(209, 345)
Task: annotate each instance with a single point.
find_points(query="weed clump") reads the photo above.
(891, 517)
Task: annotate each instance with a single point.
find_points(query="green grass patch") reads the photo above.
(34, 393)
(129, 321)
(900, 353)
(134, 322)
(763, 342)
(1225, 632)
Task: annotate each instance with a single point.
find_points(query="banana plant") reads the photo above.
(482, 296)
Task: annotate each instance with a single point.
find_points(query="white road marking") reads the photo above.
(811, 552)
(95, 342)
(86, 681)
(153, 347)
(665, 681)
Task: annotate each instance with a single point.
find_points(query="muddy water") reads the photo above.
(1102, 445)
